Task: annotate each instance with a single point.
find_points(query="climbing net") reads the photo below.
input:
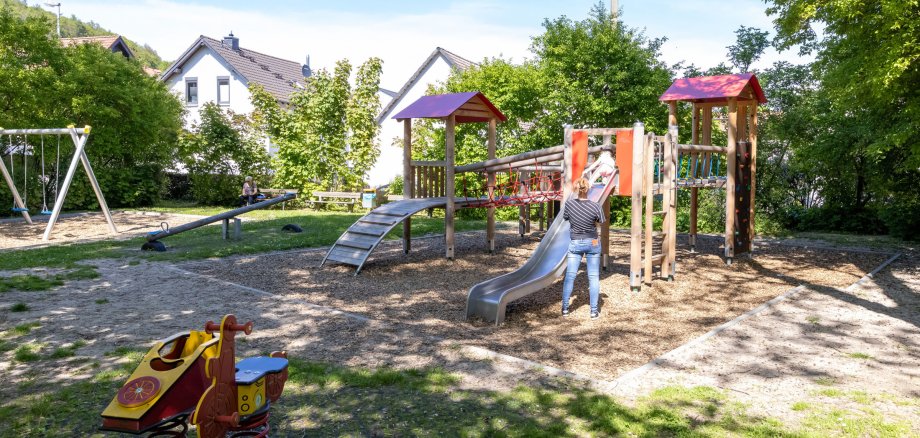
(514, 186)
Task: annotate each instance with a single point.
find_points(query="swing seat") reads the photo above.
(45, 212)
(20, 210)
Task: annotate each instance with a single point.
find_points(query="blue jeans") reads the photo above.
(592, 253)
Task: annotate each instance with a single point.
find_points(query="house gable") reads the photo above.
(452, 60)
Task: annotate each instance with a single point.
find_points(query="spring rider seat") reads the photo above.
(193, 376)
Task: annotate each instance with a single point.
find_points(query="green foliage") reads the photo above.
(584, 73)
(134, 117)
(219, 152)
(74, 27)
(327, 138)
(19, 307)
(750, 44)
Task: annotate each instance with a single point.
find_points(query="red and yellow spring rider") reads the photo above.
(193, 378)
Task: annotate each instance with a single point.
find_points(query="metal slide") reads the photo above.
(489, 298)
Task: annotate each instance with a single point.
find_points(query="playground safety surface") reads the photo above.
(81, 227)
(424, 295)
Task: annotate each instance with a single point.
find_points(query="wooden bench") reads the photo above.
(274, 193)
(394, 198)
(339, 198)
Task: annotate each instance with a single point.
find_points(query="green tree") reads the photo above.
(135, 118)
(750, 44)
(586, 73)
(326, 137)
(218, 152)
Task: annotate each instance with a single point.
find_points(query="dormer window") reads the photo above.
(223, 90)
(191, 91)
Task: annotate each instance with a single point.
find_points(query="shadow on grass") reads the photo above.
(328, 400)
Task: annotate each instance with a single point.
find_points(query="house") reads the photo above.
(436, 68)
(115, 43)
(221, 71)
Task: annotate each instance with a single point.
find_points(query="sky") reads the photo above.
(404, 32)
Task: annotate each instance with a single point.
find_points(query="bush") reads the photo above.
(902, 217)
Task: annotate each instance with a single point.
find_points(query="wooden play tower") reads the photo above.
(738, 96)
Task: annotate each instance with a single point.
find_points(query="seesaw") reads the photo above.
(192, 378)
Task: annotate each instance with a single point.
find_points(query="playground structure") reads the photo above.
(649, 166)
(194, 377)
(153, 238)
(20, 203)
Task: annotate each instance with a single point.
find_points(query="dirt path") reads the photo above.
(821, 349)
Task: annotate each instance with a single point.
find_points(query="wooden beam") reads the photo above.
(730, 181)
(635, 232)
(490, 212)
(407, 182)
(605, 235)
(648, 173)
(449, 142)
(694, 191)
(753, 132)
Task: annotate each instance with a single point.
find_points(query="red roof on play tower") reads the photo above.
(743, 86)
(466, 107)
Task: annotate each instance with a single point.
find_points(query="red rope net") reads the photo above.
(512, 187)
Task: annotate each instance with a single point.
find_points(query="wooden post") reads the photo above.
(541, 212)
(694, 191)
(730, 180)
(407, 181)
(635, 231)
(648, 189)
(669, 267)
(449, 186)
(605, 235)
(490, 212)
(753, 140)
(568, 178)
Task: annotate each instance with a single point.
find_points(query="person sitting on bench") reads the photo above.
(250, 190)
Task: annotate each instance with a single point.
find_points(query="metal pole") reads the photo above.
(12, 185)
(79, 142)
(99, 197)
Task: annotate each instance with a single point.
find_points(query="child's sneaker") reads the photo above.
(595, 314)
(565, 312)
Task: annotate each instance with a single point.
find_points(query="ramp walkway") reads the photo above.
(358, 242)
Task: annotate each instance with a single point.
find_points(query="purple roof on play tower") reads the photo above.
(466, 107)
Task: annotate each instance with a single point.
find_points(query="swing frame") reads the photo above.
(79, 137)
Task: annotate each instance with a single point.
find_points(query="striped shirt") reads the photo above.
(583, 214)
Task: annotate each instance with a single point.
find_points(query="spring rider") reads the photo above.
(193, 378)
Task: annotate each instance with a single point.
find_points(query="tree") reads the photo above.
(749, 46)
(584, 73)
(326, 138)
(869, 56)
(219, 152)
(135, 118)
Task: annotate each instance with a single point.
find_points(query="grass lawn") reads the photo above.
(261, 233)
(328, 400)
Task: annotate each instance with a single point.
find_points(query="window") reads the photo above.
(223, 90)
(191, 91)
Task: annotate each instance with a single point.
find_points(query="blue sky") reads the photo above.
(404, 32)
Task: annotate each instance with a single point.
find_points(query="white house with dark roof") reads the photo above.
(436, 68)
(221, 71)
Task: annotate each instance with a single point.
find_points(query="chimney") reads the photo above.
(307, 72)
(231, 42)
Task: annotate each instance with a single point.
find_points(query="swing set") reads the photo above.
(18, 142)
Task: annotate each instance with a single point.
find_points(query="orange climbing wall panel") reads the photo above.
(624, 161)
(579, 153)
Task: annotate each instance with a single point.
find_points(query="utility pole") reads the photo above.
(58, 5)
(614, 11)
